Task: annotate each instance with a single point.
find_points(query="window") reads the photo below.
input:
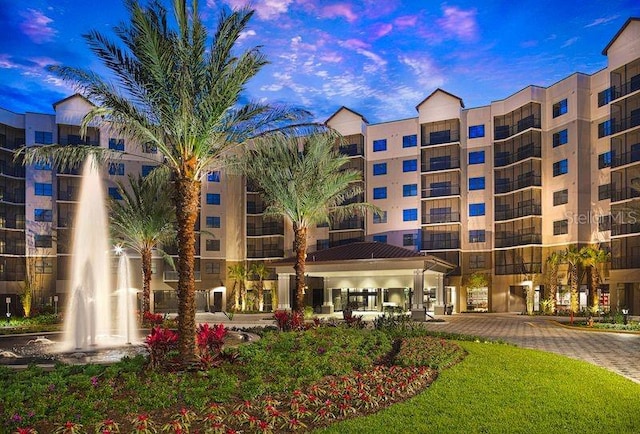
(560, 138)
(380, 238)
(147, 169)
(116, 169)
(322, 244)
(604, 192)
(44, 241)
(606, 96)
(477, 236)
(212, 245)
(409, 239)
(605, 129)
(604, 160)
(380, 217)
(115, 193)
(380, 193)
(213, 199)
(409, 141)
(379, 169)
(379, 145)
(476, 131)
(409, 165)
(477, 261)
(560, 108)
(42, 189)
(212, 267)
(150, 148)
(44, 266)
(213, 176)
(441, 188)
(410, 215)
(43, 215)
(409, 190)
(476, 157)
(604, 223)
(213, 221)
(42, 166)
(560, 227)
(560, 197)
(476, 183)
(44, 137)
(476, 209)
(560, 167)
(116, 144)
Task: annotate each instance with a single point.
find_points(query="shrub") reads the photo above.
(160, 342)
(152, 319)
(288, 321)
(209, 341)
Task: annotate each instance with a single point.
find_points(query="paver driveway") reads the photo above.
(618, 352)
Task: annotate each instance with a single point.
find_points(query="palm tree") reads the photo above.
(553, 261)
(571, 255)
(238, 273)
(143, 220)
(593, 257)
(261, 272)
(170, 89)
(306, 181)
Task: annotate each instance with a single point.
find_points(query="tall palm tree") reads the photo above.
(143, 220)
(553, 262)
(260, 272)
(238, 273)
(306, 181)
(593, 257)
(571, 256)
(170, 89)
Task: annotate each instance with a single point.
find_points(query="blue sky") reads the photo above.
(377, 57)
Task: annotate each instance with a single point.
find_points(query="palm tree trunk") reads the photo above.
(145, 255)
(187, 199)
(260, 296)
(553, 287)
(574, 289)
(595, 282)
(300, 247)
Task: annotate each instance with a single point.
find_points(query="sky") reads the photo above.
(379, 58)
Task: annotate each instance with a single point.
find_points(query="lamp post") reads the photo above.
(8, 300)
(625, 316)
(55, 304)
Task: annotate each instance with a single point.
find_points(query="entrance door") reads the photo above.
(363, 300)
(217, 302)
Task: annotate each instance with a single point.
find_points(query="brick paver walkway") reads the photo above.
(618, 352)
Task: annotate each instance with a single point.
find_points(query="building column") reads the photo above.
(439, 308)
(417, 301)
(327, 305)
(284, 302)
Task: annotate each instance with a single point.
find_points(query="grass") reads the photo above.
(504, 389)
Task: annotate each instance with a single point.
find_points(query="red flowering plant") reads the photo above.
(142, 424)
(159, 343)
(210, 341)
(152, 319)
(289, 321)
(27, 430)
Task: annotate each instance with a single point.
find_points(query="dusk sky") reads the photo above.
(377, 57)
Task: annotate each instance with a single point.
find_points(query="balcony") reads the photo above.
(14, 172)
(433, 218)
(69, 195)
(523, 152)
(452, 190)
(615, 92)
(522, 211)
(265, 253)
(529, 179)
(441, 244)
(257, 231)
(255, 207)
(503, 239)
(624, 194)
(11, 143)
(12, 223)
(632, 156)
(351, 150)
(612, 126)
(76, 140)
(525, 268)
(348, 224)
(502, 132)
(441, 163)
(625, 228)
(440, 137)
(172, 276)
(16, 198)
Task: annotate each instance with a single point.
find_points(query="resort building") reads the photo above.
(491, 190)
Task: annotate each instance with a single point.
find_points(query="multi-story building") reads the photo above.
(492, 190)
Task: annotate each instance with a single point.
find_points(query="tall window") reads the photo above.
(213, 221)
(44, 241)
(42, 166)
(560, 227)
(380, 193)
(43, 189)
(44, 137)
(605, 128)
(476, 209)
(409, 141)
(380, 217)
(116, 169)
(116, 144)
(560, 138)
(560, 167)
(379, 145)
(42, 215)
(476, 157)
(147, 169)
(380, 238)
(604, 160)
(409, 239)
(477, 236)
(379, 169)
(149, 148)
(409, 190)
(409, 165)
(212, 245)
(213, 176)
(604, 192)
(560, 197)
(476, 131)
(213, 199)
(410, 214)
(560, 108)
(476, 183)
(115, 193)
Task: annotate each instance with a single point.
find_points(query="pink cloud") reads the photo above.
(265, 9)
(459, 23)
(406, 21)
(36, 26)
(355, 44)
(331, 57)
(6, 62)
(379, 30)
(339, 10)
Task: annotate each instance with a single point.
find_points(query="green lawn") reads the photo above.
(504, 389)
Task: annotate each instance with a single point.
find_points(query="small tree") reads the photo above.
(594, 257)
(553, 262)
(260, 272)
(573, 258)
(238, 273)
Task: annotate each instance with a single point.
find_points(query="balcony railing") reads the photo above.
(625, 228)
(14, 198)
(344, 241)
(351, 223)
(12, 143)
(614, 126)
(503, 240)
(451, 217)
(434, 165)
(352, 149)
(172, 276)
(265, 253)
(501, 132)
(11, 224)
(529, 179)
(527, 268)
(522, 153)
(514, 213)
(624, 194)
(255, 207)
(453, 190)
(69, 195)
(15, 172)
(440, 137)
(75, 141)
(257, 231)
(615, 92)
(441, 244)
(632, 156)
